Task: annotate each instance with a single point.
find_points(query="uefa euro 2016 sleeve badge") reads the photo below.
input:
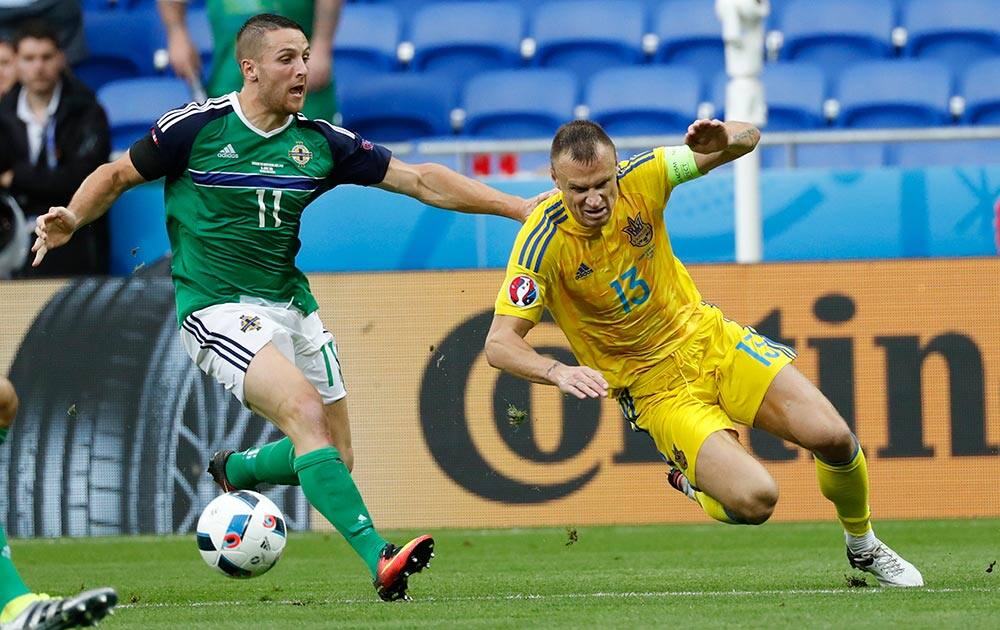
(300, 154)
(522, 291)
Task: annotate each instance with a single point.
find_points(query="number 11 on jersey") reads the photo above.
(262, 207)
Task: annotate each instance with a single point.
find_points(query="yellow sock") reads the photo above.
(715, 509)
(846, 485)
(16, 605)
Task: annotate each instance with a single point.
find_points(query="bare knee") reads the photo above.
(757, 505)
(302, 419)
(835, 442)
(8, 402)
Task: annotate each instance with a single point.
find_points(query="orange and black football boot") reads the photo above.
(397, 564)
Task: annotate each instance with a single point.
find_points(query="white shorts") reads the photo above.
(222, 340)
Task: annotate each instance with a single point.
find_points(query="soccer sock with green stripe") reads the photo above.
(11, 584)
(330, 489)
(271, 463)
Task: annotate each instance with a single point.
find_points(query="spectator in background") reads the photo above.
(7, 71)
(53, 133)
(319, 19)
(65, 16)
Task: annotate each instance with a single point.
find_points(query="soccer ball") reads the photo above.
(241, 533)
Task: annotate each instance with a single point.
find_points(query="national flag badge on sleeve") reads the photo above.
(522, 291)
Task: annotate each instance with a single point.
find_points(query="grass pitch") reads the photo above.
(778, 575)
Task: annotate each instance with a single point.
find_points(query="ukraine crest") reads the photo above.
(639, 232)
(300, 154)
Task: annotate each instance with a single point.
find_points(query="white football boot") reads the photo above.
(888, 567)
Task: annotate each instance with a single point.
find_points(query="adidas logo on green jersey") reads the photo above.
(228, 152)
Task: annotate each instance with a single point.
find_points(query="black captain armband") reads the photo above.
(147, 158)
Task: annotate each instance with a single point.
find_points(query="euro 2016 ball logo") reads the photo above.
(522, 291)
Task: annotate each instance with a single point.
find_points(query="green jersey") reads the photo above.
(235, 195)
(227, 16)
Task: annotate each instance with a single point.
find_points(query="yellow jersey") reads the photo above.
(622, 298)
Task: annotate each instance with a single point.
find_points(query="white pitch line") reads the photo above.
(597, 595)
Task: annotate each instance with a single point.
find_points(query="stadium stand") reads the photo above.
(689, 34)
(392, 96)
(489, 39)
(398, 107)
(133, 105)
(644, 100)
(121, 45)
(981, 88)
(952, 31)
(519, 103)
(837, 33)
(584, 36)
(795, 93)
(366, 42)
(903, 93)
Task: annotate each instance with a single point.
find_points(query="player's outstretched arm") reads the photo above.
(716, 143)
(442, 187)
(506, 349)
(93, 198)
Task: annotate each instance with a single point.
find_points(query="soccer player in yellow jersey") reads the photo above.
(597, 255)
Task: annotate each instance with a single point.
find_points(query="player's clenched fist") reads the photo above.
(578, 380)
(52, 229)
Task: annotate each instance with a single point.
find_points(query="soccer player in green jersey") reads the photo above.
(319, 19)
(20, 608)
(240, 169)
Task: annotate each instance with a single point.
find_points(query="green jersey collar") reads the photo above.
(264, 134)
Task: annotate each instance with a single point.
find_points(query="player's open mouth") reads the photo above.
(298, 90)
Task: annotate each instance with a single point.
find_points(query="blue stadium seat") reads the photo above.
(366, 42)
(398, 107)
(904, 93)
(795, 93)
(836, 33)
(645, 100)
(463, 38)
(519, 103)
(690, 34)
(585, 36)
(953, 31)
(133, 105)
(120, 45)
(981, 89)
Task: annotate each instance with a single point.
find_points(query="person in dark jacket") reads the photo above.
(53, 133)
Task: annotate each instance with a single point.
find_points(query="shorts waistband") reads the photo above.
(258, 301)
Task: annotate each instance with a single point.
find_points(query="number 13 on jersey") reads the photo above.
(262, 207)
(634, 293)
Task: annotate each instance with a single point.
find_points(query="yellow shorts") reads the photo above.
(720, 376)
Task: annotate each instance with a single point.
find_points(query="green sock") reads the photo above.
(271, 463)
(3, 434)
(11, 585)
(330, 489)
